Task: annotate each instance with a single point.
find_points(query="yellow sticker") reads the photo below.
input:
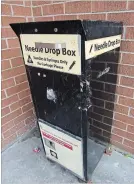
(55, 52)
(97, 47)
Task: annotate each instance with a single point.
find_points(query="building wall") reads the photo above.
(17, 107)
(14, 77)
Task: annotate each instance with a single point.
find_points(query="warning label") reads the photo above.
(96, 47)
(53, 52)
(29, 60)
(57, 140)
(65, 149)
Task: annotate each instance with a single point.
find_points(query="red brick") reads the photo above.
(17, 62)
(127, 18)
(6, 20)
(3, 44)
(10, 53)
(130, 129)
(7, 83)
(27, 3)
(7, 33)
(96, 130)
(21, 11)
(123, 147)
(118, 80)
(14, 2)
(130, 136)
(9, 100)
(128, 143)
(121, 109)
(127, 58)
(5, 64)
(17, 89)
(119, 124)
(116, 138)
(11, 116)
(127, 46)
(126, 70)
(9, 140)
(27, 107)
(130, 5)
(14, 129)
(6, 9)
(119, 132)
(124, 91)
(31, 125)
(5, 111)
(7, 126)
(124, 118)
(23, 116)
(53, 9)
(22, 130)
(21, 78)
(126, 81)
(126, 101)
(24, 93)
(30, 119)
(13, 43)
(20, 125)
(78, 7)
(15, 106)
(13, 72)
(92, 16)
(38, 3)
(29, 19)
(65, 17)
(106, 134)
(9, 132)
(25, 101)
(37, 11)
(60, 1)
(129, 33)
(132, 112)
(107, 6)
(3, 94)
(40, 19)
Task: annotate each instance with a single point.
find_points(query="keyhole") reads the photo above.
(55, 30)
(36, 30)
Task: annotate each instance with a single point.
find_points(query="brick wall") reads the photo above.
(17, 107)
(123, 117)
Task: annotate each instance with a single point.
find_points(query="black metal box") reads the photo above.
(69, 65)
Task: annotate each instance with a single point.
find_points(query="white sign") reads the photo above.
(63, 149)
(97, 47)
(60, 53)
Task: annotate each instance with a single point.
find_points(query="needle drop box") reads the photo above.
(69, 64)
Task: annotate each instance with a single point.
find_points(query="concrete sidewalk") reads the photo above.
(20, 165)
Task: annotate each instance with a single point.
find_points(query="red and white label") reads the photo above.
(66, 149)
(48, 136)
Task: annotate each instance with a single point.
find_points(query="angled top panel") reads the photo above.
(101, 29)
(57, 27)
